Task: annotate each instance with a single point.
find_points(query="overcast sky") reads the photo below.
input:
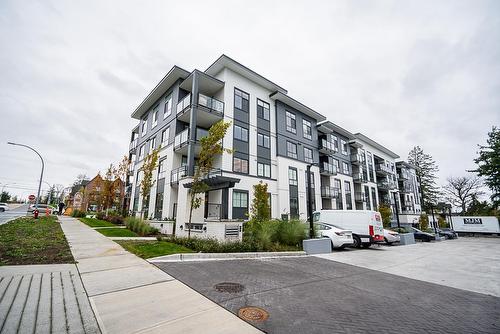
(404, 73)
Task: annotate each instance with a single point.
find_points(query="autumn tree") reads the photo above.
(148, 167)
(120, 173)
(460, 191)
(386, 213)
(488, 163)
(426, 169)
(108, 188)
(211, 146)
(260, 209)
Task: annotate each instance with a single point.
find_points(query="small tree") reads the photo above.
(211, 146)
(147, 182)
(426, 169)
(260, 209)
(386, 213)
(489, 164)
(121, 173)
(442, 222)
(108, 188)
(461, 190)
(424, 222)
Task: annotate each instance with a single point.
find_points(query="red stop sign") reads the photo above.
(31, 197)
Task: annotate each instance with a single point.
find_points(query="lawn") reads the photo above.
(117, 232)
(29, 241)
(93, 222)
(149, 249)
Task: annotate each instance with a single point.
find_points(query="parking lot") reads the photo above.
(354, 291)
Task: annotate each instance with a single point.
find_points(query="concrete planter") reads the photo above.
(317, 246)
(407, 239)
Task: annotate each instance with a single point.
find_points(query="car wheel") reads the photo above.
(366, 245)
(357, 241)
(2, 209)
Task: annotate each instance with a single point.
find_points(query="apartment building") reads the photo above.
(274, 138)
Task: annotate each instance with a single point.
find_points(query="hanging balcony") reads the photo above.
(329, 192)
(359, 178)
(209, 110)
(326, 168)
(383, 169)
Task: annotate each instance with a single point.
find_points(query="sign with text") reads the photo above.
(31, 197)
(473, 221)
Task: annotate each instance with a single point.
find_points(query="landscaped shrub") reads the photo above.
(274, 234)
(290, 233)
(115, 219)
(213, 245)
(386, 213)
(100, 215)
(78, 214)
(139, 226)
(423, 221)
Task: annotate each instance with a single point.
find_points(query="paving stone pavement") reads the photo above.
(44, 299)
(313, 295)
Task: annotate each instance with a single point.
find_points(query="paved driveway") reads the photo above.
(13, 213)
(314, 295)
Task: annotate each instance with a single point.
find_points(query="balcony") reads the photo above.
(357, 159)
(406, 188)
(133, 146)
(330, 192)
(386, 185)
(360, 197)
(326, 168)
(403, 175)
(383, 169)
(181, 141)
(209, 110)
(177, 174)
(327, 147)
(130, 170)
(359, 178)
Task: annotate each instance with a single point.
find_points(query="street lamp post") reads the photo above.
(397, 208)
(41, 174)
(309, 201)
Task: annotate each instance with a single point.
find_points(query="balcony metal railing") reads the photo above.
(406, 187)
(359, 197)
(386, 185)
(330, 192)
(383, 169)
(403, 175)
(177, 174)
(133, 145)
(184, 103)
(213, 104)
(130, 169)
(359, 178)
(327, 168)
(327, 146)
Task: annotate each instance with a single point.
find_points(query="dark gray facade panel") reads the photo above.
(264, 160)
(263, 152)
(240, 155)
(240, 146)
(241, 116)
(263, 124)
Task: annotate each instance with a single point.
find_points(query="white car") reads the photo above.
(4, 207)
(391, 237)
(42, 208)
(340, 238)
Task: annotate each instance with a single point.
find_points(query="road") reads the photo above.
(14, 213)
(318, 295)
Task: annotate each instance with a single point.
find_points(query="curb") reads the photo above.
(224, 256)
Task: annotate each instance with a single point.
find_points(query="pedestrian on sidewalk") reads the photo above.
(61, 207)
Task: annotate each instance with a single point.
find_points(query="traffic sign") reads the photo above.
(31, 197)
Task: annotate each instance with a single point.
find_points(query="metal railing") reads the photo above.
(184, 103)
(359, 197)
(359, 177)
(133, 145)
(327, 168)
(329, 192)
(213, 104)
(357, 158)
(403, 175)
(386, 185)
(181, 138)
(327, 145)
(383, 168)
(177, 174)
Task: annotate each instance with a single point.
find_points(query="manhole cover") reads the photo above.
(253, 313)
(229, 287)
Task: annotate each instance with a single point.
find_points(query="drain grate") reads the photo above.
(252, 313)
(229, 287)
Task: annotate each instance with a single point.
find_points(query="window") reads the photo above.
(263, 169)
(367, 197)
(240, 165)
(308, 155)
(141, 152)
(374, 199)
(348, 197)
(263, 110)
(291, 150)
(338, 199)
(161, 169)
(152, 144)
(159, 205)
(292, 176)
(155, 117)
(263, 140)
(312, 180)
(144, 126)
(240, 133)
(240, 199)
(343, 144)
(307, 130)
(167, 110)
(291, 124)
(164, 137)
(241, 100)
(336, 163)
(294, 207)
(335, 141)
(345, 167)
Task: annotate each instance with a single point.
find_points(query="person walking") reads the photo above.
(61, 207)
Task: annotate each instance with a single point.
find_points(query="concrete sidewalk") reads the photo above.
(130, 295)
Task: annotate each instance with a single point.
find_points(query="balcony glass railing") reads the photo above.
(327, 145)
(358, 177)
(211, 103)
(357, 158)
(133, 145)
(359, 197)
(383, 168)
(329, 192)
(184, 103)
(328, 168)
(181, 138)
(387, 185)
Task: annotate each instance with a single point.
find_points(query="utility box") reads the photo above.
(317, 246)
(406, 239)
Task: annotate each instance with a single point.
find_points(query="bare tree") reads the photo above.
(460, 191)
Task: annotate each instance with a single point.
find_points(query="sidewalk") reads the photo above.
(130, 295)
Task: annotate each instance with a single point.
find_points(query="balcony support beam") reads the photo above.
(192, 125)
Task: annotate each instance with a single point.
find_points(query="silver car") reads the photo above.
(391, 237)
(4, 207)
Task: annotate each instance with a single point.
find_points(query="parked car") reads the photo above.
(366, 225)
(421, 235)
(4, 207)
(447, 233)
(391, 237)
(340, 238)
(42, 208)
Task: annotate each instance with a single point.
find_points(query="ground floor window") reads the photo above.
(374, 199)
(294, 207)
(240, 204)
(159, 206)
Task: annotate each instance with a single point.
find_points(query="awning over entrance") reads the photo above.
(216, 182)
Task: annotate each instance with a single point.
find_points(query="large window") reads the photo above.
(144, 126)
(291, 123)
(152, 144)
(155, 116)
(335, 141)
(345, 168)
(307, 130)
(263, 169)
(240, 204)
(241, 100)
(371, 171)
(348, 196)
(164, 137)
(338, 186)
(336, 163)
(141, 152)
(161, 169)
(240, 133)
(263, 110)
(343, 145)
(263, 140)
(167, 109)
(292, 176)
(308, 155)
(294, 207)
(240, 165)
(367, 197)
(291, 150)
(374, 199)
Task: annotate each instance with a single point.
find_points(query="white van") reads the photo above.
(366, 225)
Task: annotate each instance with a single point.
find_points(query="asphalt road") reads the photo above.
(14, 213)
(314, 295)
